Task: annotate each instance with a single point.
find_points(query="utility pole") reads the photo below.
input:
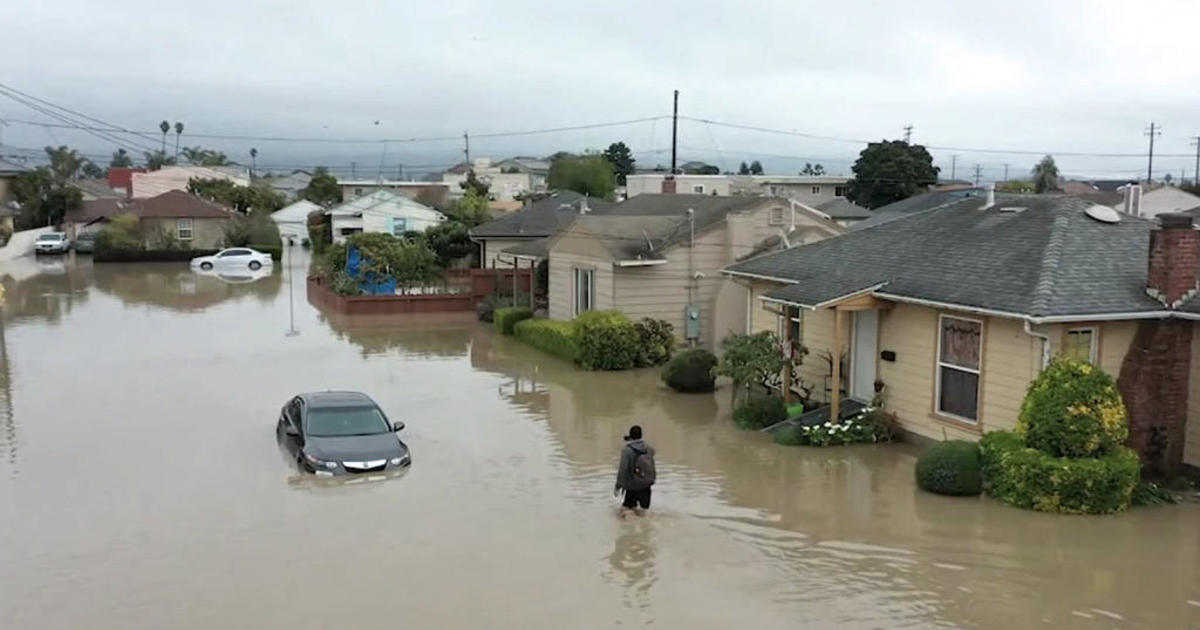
(908, 134)
(953, 166)
(674, 130)
(354, 170)
(1196, 177)
(978, 168)
(1006, 172)
(467, 147)
(1155, 130)
(399, 171)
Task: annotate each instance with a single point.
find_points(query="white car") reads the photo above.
(234, 258)
(52, 243)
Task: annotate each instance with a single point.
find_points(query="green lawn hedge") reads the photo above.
(950, 468)
(550, 336)
(1035, 480)
(506, 318)
(607, 341)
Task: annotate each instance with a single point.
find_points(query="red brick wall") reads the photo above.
(1154, 383)
(1174, 261)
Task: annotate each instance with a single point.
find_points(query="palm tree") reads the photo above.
(165, 127)
(253, 161)
(178, 132)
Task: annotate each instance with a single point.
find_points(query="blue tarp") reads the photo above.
(371, 285)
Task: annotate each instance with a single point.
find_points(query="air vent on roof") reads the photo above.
(1012, 209)
(1103, 214)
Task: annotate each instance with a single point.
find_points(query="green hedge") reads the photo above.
(607, 341)
(691, 371)
(759, 411)
(1073, 409)
(550, 336)
(108, 254)
(656, 341)
(506, 318)
(951, 467)
(1032, 479)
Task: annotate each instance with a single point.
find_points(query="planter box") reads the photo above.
(323, 296)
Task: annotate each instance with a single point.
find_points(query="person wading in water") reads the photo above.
(635, 473)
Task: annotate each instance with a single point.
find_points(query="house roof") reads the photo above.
(97, 188)
(541, 218)
(292, 183)
(173, 204)
(842, 208)
(1048, 260)
(297, 211)
(619, 237)
(537, 248)
(917, 203)
(384, 202)
(11, 168)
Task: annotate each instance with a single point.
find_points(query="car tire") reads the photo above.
(206, 266)
(255, 265)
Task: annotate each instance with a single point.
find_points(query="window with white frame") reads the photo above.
(840, 191)
(183, 229)
(960, 349)
(816, 190)
(1080, 344)
(584, 290)
(793, 321)
(698, 189)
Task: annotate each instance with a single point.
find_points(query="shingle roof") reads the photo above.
(7, 167)
(842, 208)
(918, 203)
(619, 237)
(97, 188)
(541, 218)
(173, 204)
(1049, 259)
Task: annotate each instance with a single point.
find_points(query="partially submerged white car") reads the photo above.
(234, 258)
(52, 243)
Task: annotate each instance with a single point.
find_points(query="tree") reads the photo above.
(92, 170)
(410, 261)
(755, 359)
(1167, 179)
(756, 168)
(258, 199)
(44, 197)
(157, 160)
(890, 170)
(621, 159)
(65, 163)
(164, 126)
(178, 134)
(450, 241)
(743, 169)
(471, 210)
(473, 183)
(120, 159)
(205, 157)
(701, 169)
(1045, 176)
(586, 174)
(322, 189)
(812, 169)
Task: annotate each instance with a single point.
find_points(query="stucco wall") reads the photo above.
(562, 294)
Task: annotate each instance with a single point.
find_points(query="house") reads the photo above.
(812, 190)
(290, 185)
(433, 192)
(8, 172)
(195, 223)
(538, 220)
(381, 211)
(96, 189)
(656, 183)
(843, 211)
(168, 178)
(656, 255)
(1150, 203)
(292, 220)
(953, 311)
(507, 181)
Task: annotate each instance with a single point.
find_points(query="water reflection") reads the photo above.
(414, 336)
(175, 287)
(631, 562)
(239, 276)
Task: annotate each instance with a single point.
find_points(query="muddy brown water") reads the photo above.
(141, 486)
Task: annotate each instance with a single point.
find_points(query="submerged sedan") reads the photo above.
(234, 257)
(342, 433)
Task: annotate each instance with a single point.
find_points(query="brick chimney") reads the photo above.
(668, 185)
(1174, 266)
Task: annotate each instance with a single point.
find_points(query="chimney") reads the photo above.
(1174, 265)
(1133, 200)
(989, 191)
(668, 185)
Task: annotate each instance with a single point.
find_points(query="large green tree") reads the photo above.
(1045, 176)
(621, 159)
(92, 170)
(255, 199)
(743, 169)
(890, 170)
(812, 169)
(700, 168)
(323, 188)
(44, 198)
(756, 168)
(65, 162)
(586, 174)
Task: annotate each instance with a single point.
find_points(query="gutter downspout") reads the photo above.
(1045, 343)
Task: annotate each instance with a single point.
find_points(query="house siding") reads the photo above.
(562, 294)
(493, 247)
(206, 233)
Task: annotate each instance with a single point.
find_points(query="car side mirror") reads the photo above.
(397, 426)
(290, 429)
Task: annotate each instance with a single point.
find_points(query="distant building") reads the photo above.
(381, 211)
(96, 189)
(507, 180)
(169, 178)
(293, 219)
(435, 192)
(811, 190)
(290, 185)
(1150, 203)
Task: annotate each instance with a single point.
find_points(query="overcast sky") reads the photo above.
(1056, 76)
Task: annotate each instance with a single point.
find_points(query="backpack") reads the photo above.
(643, 470)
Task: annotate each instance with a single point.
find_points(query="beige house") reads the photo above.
(661, 256)
(195, 223)
(953, 311)
(536, 221)
(168, 178)
(811, 190)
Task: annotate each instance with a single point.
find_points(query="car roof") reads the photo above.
(337, 399)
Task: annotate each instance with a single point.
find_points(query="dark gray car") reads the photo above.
(342, 433)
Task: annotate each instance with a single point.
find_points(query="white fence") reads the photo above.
(21, 243)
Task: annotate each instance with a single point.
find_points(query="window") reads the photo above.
(960, 344)
(357, 192)
(816, 190)
(840, 191)
(1080, 344)
(234, 252)
(584, 290)
(776, 217)
(698, 189)
(795, 326)
(183, 229)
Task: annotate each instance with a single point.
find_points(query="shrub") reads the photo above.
(343, 283)
(756, 359)
(656, 340)
(868, 427)
(1033, 479)
(1073, 409)
(607, 340)
(506, 318)
(759, 411)
(691, 371)
(486, 309)
(550, 336)
(1150, 493)
(950, 468)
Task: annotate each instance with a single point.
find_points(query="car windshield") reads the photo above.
(345, 421)
(50, 237)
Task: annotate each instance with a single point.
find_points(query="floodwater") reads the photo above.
(141, 486)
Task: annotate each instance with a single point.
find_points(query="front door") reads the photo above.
(864, 346)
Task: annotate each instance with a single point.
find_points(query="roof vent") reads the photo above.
(1103, 214)
(1012, 209)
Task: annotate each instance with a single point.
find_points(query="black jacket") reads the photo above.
(629, 454)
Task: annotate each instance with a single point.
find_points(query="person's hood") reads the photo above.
(639, 446)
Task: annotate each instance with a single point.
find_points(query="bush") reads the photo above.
(869, 427)
(550, 336)
(1073, 409)
(691, 371)
(759, 411)
(108, 254)
(1033, 479)
(656, 340)
(343, 283)
(506, 318)
(607, 340)
(1150, 493)
(950, 468)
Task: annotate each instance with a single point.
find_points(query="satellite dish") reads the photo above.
(1103, 214)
